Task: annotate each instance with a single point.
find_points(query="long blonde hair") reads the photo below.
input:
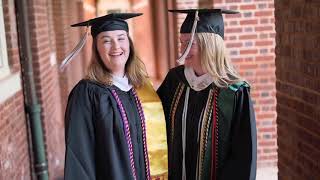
(134, 68)
(215, 60)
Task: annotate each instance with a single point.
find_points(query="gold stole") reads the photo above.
(156, 132)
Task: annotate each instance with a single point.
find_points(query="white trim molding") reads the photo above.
(4, 67)
(9, 86)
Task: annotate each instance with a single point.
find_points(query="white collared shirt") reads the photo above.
(121, 82)
(197, 83)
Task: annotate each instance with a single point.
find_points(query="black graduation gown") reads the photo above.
(236, 146)
(96, 146)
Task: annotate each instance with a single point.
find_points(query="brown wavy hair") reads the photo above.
(134, 68)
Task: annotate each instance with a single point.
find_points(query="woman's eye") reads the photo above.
(121, 39)
(192, 44)
(107, 41)
(185, 42)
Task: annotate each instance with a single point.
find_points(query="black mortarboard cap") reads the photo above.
(110, 22)
(210, 20)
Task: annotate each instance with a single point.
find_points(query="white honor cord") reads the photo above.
(198, 140)
(184, 130)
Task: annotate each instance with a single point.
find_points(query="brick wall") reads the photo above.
(249, 37)
(66, 13)
(14, 153)
(47, 84)
(51, 40)
(298, 84)
(90, 11)
(143, 35)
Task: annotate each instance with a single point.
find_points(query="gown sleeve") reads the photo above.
(164, 95)
(166, 91)
(241, 164)
(80, 138)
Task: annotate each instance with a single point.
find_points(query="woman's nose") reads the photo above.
(115, 44)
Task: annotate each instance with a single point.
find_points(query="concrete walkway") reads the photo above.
(270, 173)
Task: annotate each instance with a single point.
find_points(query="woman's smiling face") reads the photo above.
(193, 59)
(114, 50)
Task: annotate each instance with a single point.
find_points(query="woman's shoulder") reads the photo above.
(176, 74)
(86, 86)
(239, 86)
(235, 89)
(176, 71)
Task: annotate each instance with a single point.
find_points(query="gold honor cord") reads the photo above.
(186, 51)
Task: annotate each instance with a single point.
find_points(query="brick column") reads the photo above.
(143, 39)
(298, 85)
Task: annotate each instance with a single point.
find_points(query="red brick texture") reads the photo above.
(250, 40)
(11, 35)
(249, 37)
(14, 153)
(54, 86)
(47, 84)
(143, 35)
(51, 40)
(298, 84)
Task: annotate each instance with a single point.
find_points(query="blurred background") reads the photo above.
(274, 44)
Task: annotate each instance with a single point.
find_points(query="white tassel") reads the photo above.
(186, 51)
(75, 51)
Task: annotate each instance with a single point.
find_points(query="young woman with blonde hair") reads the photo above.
(209, 115)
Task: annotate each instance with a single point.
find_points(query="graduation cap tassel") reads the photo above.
(75, 51)
(186, 51)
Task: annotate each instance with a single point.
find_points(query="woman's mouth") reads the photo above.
(116, 54)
